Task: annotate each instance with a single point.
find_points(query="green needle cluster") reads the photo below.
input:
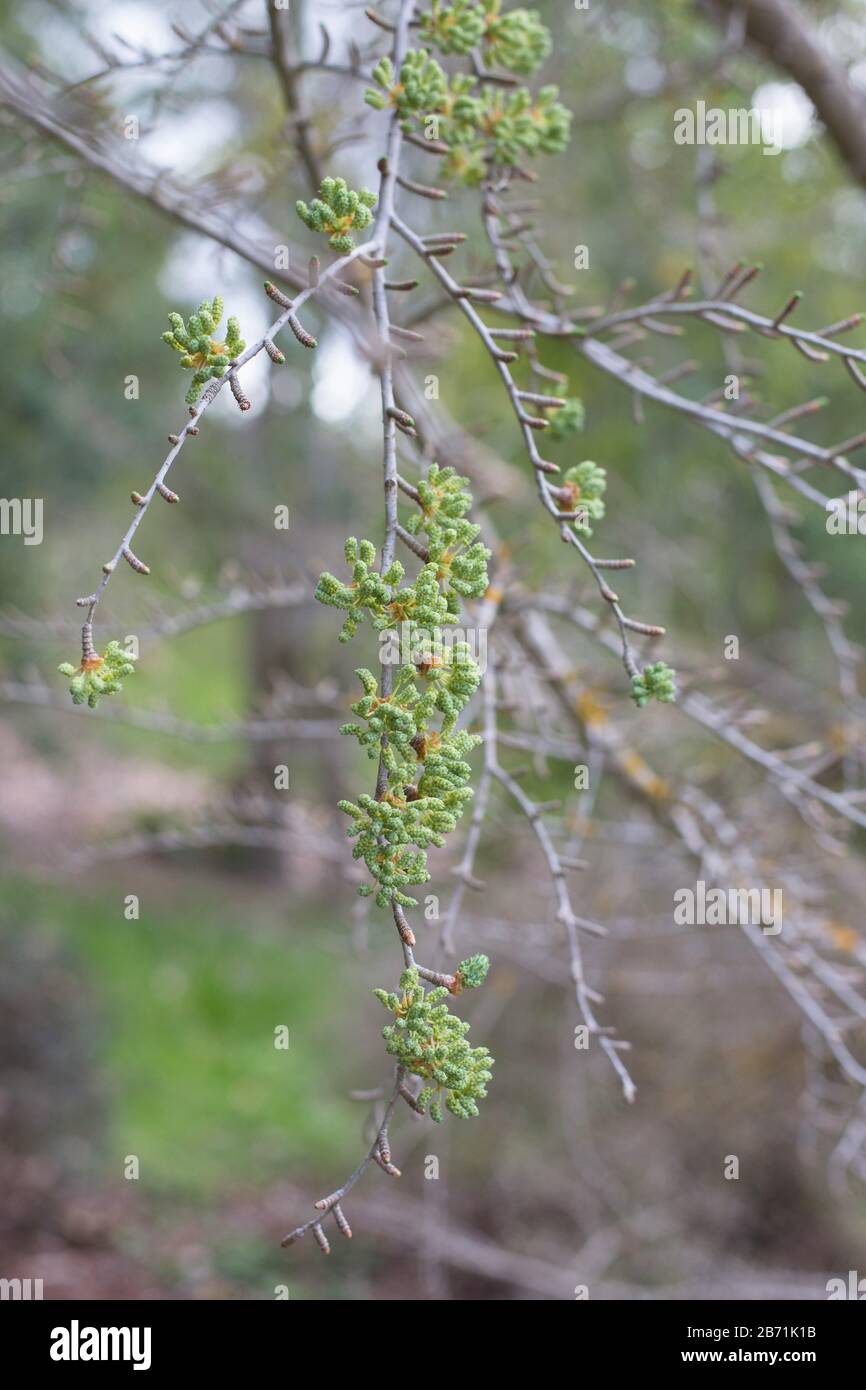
(377, 598)
(456, 28)
(516, 40)
(512, 124)
(430, 1042)
(338, 212)
(582, 491)
(658, 682)
(415, 813)
(421, 89)
(460, 559)
(411, 731)
(201, 352)
(568, 419)
(412, 728)
(98, 675)
(471, 973)
(481, 123)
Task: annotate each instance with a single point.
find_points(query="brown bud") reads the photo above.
(321, 1239)
(277, 295)
(304, 338)
(342, 1224)
(138, 565)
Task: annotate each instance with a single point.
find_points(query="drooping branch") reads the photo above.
(690, 814)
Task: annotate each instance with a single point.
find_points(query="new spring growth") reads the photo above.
(658, 682)
(470, 973)
(517, 40)
(430, 1042)
(460, 560)
(568, 419)
(422, 87)
(481, 125)
(98, 675)
(393, 833)
(456, 28)
(413, 728)
(369, 594)
(582, 491)
(338, 212)
(512, 123)
(201, 351)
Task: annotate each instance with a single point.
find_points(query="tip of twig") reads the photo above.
(304, 338)
(277, 295)
(380, 20)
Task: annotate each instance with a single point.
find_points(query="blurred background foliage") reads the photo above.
(154, 1037)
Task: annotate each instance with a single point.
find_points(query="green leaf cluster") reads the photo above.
(377, 598)
(413, 727)
(658, 682)
(456, 28)
(506, 125)
(452, 545)
(430, 1042)
(471, 973)
(201, 352)
(421, 89)
(582, 491)
(98, 675)
(481, 123)
(410, 813)
(338, 212)
(516, 40)
(568, 419)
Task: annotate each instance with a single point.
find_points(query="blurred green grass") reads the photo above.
(187, 1000)
(204, 674)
